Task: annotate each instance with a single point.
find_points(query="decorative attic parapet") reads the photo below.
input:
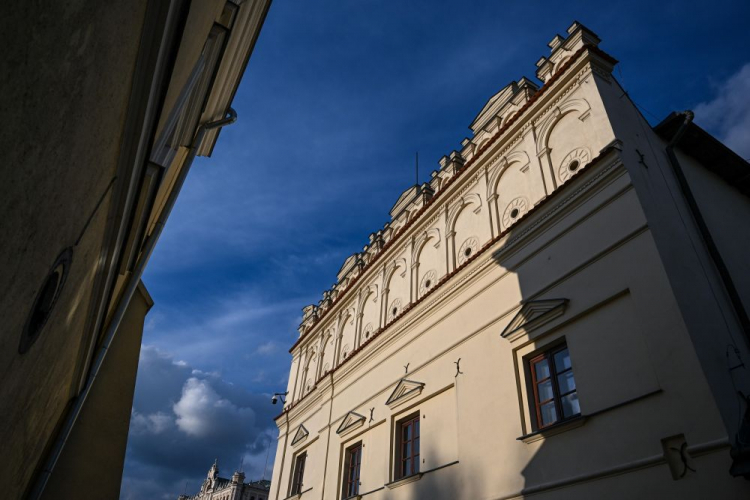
(309, 317)
(532, 315)
(563, 48)
(412, 199)
(502, 104)
(470, 153)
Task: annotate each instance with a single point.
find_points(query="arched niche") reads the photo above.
(428, 261)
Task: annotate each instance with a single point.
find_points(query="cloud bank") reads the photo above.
(184, 418)
(728, 114)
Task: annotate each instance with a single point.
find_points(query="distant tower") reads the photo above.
(238, 477)
(215, 487)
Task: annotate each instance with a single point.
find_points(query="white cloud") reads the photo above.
(728, 114)
(182, 419)
(266, 348)
(153, 424)
(201, 412)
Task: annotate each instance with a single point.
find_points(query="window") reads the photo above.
(351, 470)
(554, 388)
(407, 441)
(299, 472)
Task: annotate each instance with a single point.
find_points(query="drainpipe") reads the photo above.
(135, 278)
(713, 250)
(740, 451)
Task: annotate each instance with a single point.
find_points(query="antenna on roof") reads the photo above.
(184, 491)
(416, 170)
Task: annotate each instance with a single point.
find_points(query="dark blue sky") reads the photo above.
(336, 99)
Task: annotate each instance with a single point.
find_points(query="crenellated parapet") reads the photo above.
(526, 142)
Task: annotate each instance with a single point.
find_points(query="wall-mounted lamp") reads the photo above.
(279, 395)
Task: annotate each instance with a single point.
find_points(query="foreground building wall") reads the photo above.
(108, 106)
(93, 458)
(543, 315)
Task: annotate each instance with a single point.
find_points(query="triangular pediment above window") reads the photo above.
(404, 391)
(532, 315)
(351, 421)
(300, 435)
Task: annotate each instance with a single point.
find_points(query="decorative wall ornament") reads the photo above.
(572, 163)
(532, 315)
(468, 249)
(392, 268)
(300, 435)
(326, 367)
(431, 235)
(351, 421)
(545, 127)
(497, 170)
(458, 207)
(404, 391)
(428, 281)
(514, 210)
(344, 351)
(367, 331)
(368, 293)
(394, 309)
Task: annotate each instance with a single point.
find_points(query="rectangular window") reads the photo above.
(299, 473)
(555, 396)
(351, 470)
(407, 446)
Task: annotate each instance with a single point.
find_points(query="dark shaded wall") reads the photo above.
(65, 82)
(105, 418)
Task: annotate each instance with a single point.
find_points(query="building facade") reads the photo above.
(560, 312)
(110, 104)
(219, 488)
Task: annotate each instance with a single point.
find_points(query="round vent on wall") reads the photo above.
(428, 281)
(468, 249)
(394, 309)
(572, 163)
(514, 211)
(367, 330)
(46, 298)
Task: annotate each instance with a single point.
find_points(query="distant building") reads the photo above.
(109, 105)
(560, 312)
(219, 488)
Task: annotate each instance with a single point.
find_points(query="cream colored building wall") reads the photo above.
(708, 316)
(638, 377)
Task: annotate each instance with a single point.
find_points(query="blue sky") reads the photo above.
(336, 99)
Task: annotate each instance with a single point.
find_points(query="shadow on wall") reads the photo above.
(596, 416)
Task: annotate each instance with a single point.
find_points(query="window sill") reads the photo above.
(360, 495)
(405, 480)
(553, 429)
(295, 496)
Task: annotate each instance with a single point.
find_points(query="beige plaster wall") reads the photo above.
(594, 236)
